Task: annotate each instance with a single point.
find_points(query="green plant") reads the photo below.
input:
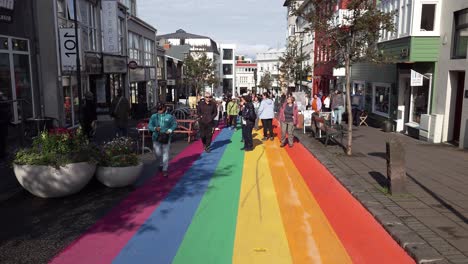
(56, 149)
(118, 153)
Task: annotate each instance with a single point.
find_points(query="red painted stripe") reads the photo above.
(365, 240)
(104, 240)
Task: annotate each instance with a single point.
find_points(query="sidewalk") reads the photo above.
(431, 221)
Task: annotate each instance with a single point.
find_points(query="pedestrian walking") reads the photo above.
(326, 103)
(337, 104)
(288, 118)
(88, 116)
(207, 111)
(219, 114)
(232, 111)
(120, 111)
(357, 104)
(162, 125)
(248, 122)
(5, 118)
(266, 114)
(256, 104)
(316, 103)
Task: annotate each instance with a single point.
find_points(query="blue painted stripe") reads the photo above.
(159, 238)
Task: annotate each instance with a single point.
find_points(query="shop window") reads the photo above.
(15, 76)
(419, 101)
(381, 99)
(461, 34)
(70, 100)
(149, 52)
(428, 17)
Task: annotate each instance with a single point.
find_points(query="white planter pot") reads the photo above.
(49, 182)
(118, 176)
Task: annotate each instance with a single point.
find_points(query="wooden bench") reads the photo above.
(187, 127)
(330, 132)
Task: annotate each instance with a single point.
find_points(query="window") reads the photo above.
(428, 17)
(227, 69)
(381, 99)
(121, 37)
(134, 47)
(419, 101)
(131, 4)
(15, 75)
(227, 54)
(149, 52)
(460, 42)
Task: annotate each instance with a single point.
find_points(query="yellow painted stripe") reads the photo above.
(260, 236)
(311, 237)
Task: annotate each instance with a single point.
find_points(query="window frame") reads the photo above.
(456, 28)
(386, 85)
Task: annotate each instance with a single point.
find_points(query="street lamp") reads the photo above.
(301, 37)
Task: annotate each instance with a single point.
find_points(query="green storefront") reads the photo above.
(387, 87)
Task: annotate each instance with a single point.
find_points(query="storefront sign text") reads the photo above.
(68, 49)
(93, 63)
(137, 75)
(416, 78)
(113, 64)
(110, 26)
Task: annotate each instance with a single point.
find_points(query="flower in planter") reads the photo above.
(56, 149)
(118, 153)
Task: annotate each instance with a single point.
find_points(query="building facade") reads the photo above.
(269, 62)
(227, 71)
(246, 77)
(451, 83)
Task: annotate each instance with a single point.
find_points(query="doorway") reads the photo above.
(459, 89)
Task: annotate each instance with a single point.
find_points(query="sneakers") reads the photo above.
(217, 129)
(290, 145)
(165, 174)
(282, 145)
(207, 149)
(272, 138)
(264, 139)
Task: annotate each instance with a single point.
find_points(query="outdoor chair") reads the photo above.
(363, 118)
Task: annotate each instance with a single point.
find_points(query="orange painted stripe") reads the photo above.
(365, 240)
(311, 238)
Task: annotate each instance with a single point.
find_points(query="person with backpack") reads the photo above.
(248, 122)
(162, 125)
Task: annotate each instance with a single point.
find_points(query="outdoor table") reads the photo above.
(142, 129)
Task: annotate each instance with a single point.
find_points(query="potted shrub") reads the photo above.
(58, 163)
(118, 164)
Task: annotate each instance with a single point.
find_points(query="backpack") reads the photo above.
(252, 115)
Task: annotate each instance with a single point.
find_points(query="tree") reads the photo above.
(266, 81)
(353, 39)
(292, 64)
(200, 71)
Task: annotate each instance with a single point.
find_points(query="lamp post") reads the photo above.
(78, 62)
(301, 37)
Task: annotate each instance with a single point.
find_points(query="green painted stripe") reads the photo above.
(210, 237)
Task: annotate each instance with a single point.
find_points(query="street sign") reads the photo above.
(68, 49)
(416, 78)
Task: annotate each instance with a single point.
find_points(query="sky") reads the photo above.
(253, 25)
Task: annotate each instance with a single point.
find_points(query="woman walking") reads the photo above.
(162, 125)
(256, 105)
(248, 120)
(266, 113)
(288, 118)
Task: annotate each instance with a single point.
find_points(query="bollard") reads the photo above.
(396, 168)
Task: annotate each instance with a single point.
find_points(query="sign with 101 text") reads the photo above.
(68, 49)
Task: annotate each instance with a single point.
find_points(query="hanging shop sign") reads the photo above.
(114, 64)
(132, 65)
(7, 7)
(110, 29)
(137, 75)
(416, 78)
(68, 48)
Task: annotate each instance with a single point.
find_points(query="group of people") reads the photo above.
(248, 110)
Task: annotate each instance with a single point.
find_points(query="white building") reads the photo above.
(245, 77)
(305, 40)
(199, 44)
(227, 70)
(451, 94)
(269, 61)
